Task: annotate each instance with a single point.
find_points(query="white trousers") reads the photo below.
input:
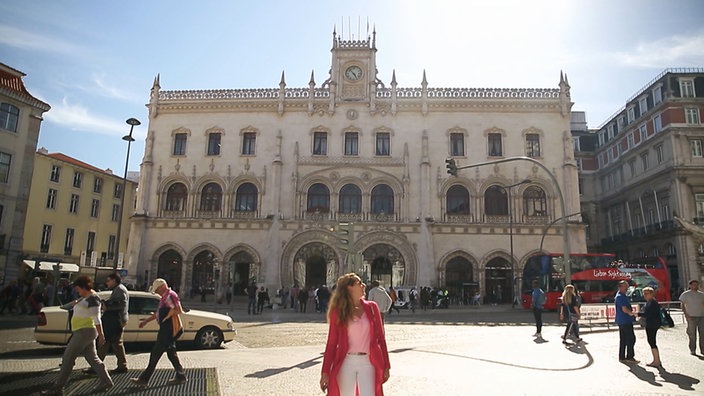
(356, 371)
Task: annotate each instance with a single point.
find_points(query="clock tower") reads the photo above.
(353, 73)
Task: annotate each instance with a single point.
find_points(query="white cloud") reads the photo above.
(79, 118)
(36, 42)
(678, 50)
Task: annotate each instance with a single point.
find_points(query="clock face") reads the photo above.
(353, 73)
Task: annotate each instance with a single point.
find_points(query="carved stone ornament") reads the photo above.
(352, 114)
(334, 176)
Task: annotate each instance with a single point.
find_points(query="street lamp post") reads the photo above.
(565, 237)
(510, 226)
(116, 255)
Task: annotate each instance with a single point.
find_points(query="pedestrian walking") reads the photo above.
(170, 328)
(228, 293)
(651, 316)
(693, 308)
(536, 304)
(86, 328)
(569, 312)
(413, 299)
(356, 360)
(115, 317)
(380, 297)
(9, 297)
(252, 299)
(262, 299)
(624, 319)
(303, 300)
(394, 297)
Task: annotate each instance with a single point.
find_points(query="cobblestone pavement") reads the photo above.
(448, 352)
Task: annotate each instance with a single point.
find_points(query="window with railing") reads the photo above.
(176, 197)
(457, 200)
(46, 238)
(382, 199)
(535, 202)
(496, 201)
(68, 242)
(318, 198)
(350, 199)
(211, 197)
(246, 198)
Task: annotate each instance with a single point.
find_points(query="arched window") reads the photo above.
(534, 202)
(318, 198)
(176, 197)
(382, 199)
(211, 197)
(458, 200)
(9, 115)
(496, 201)
(350, 199)
(246, 199)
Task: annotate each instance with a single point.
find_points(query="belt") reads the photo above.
(357, 353)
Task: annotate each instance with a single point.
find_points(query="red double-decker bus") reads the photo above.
(596, 277)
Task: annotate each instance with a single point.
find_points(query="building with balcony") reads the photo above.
(20, 120)
(647, 166)
(242, 185)
(74, 212)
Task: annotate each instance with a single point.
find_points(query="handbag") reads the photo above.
(666, 319)
(574, 318)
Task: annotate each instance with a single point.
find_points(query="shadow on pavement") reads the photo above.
(583, 350)
(643, 374)
(276, 371)
(685, 382)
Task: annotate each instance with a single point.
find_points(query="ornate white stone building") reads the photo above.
(256, 184)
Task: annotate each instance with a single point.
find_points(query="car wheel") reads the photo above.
(209, 338)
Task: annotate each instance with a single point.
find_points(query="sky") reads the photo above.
(94, 62)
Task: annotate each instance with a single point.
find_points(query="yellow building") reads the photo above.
(73, 212)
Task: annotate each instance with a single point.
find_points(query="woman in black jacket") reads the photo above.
(651, 315)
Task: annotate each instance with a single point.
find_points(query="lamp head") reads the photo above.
(133, 121)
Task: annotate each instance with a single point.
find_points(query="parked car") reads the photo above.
(207, 330)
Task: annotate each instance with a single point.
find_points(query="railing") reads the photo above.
(605, 313)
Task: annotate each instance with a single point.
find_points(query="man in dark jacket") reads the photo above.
(114, 319)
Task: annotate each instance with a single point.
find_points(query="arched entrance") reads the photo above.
(498, 280)
(203, 272)
(459, 279)
(315, 264)
(238, 272)
(387, 265)
(169, 268)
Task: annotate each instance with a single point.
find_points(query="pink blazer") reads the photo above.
(338, 345)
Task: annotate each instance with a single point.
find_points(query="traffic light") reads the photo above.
(345, 235)
(451, 166)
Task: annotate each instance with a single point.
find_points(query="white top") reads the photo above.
(693, 302)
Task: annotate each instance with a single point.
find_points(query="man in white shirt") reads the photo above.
(693, 308)
(380, 297)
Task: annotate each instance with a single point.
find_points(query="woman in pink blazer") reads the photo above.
(356, 361)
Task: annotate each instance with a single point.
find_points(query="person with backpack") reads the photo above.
(537, 302)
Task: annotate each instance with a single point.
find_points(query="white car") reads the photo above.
(207, 329)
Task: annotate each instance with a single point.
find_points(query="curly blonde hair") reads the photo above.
(341, 300)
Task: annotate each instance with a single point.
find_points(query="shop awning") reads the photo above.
(49, 266)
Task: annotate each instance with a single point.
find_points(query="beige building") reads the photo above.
(643, 166)
(74, 212)
(20, 120)
(257, 184)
